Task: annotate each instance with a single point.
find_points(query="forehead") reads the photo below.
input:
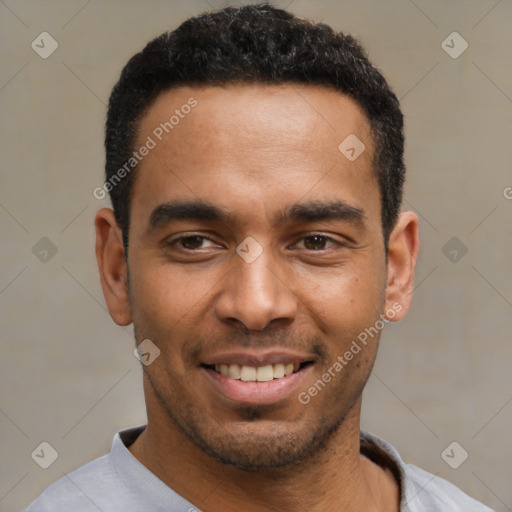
(262, 114)
(264, 142)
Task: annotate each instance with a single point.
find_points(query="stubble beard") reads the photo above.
(275, 445)
(278, 444)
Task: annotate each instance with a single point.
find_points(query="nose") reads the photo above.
(256, 294)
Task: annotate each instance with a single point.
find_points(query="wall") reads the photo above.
(68, 375)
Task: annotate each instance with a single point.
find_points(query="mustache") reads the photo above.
(278, 338)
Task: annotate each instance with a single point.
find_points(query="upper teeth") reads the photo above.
(251, 373)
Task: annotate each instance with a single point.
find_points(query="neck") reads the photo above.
(336, 478)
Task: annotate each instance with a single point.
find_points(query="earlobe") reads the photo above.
(112, 266)
(403, 250)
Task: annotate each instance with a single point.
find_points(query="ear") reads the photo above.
(112, 266)
(403, 250)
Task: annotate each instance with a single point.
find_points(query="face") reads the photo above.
(256, 258)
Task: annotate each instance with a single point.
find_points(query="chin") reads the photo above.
(259, 444)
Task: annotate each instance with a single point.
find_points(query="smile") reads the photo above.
(257, 379)
(258, 373)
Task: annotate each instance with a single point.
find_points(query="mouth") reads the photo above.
(257, 379)
(264, 373)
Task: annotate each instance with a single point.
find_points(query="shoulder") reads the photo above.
(76, 491)
(102, 484)
(420, 491)
(425, 491)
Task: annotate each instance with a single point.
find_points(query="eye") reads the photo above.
(191, 242)
(317, 242)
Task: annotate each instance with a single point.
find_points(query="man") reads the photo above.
(255, 166)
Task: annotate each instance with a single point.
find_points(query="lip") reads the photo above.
(257, 393)
(258, 359)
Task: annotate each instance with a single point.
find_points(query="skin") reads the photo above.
(254, 150)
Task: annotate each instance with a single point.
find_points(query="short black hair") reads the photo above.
(253, 44)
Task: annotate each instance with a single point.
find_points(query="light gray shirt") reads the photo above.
(118, 482)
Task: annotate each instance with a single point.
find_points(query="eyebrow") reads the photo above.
(319, 210)
(310, 211)
(179, 210)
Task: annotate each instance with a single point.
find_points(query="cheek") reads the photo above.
(163, 305)
(170, 307)
(347, 299)
(167, 295)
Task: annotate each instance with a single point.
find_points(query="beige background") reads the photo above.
(68, 373)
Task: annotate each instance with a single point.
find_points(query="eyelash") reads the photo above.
(326, 238)
(171, 243)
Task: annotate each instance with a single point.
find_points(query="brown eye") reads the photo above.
(315, 242)
(192, 242)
